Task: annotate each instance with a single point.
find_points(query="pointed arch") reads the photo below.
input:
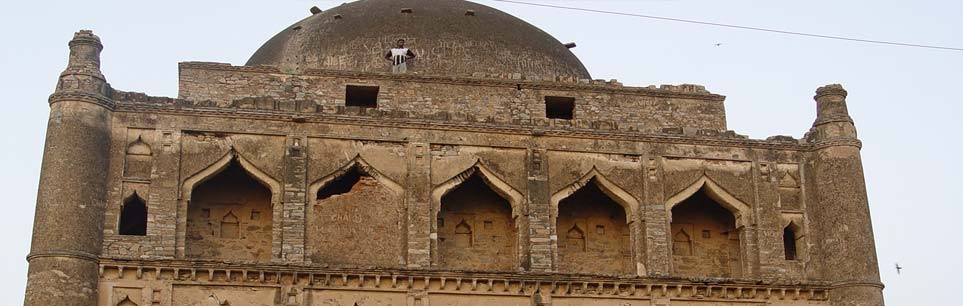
(609, 188)
(214, 169)
(362, 166)
(139, 147)
(502, 188)
(133, 216)
(126, 302)
(495, 214)
(790, 240)
(739, 209)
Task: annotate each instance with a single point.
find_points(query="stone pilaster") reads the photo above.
(541, 239)
(658, 253)
(418, 197)
(295, 199)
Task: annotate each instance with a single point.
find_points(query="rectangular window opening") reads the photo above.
(361, 96)
(560, 107)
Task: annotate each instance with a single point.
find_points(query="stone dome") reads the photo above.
(450, 37)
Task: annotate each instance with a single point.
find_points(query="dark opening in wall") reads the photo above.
(133, 217)
(560, 107)
(341, 185)
(718, 252)
(361, 96)
(789, 242)
(480, 233)
(594, 236)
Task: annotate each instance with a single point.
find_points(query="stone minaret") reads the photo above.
(839, 208)
(68, 226)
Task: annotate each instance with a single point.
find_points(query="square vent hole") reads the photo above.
(560, 107)
(361, 96)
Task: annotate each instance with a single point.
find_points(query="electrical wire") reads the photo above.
(732, 26)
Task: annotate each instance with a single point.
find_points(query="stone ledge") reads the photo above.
(559, 285)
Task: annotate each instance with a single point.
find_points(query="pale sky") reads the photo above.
(905, 101)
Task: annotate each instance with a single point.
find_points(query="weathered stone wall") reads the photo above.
(599, 105)
(321, 230)
(412, 172)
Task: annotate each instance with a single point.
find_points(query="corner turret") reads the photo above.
(832, 115)
(68, 224)
(83, 75)
(839, 208)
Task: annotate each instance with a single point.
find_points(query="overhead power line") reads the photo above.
(732, 26)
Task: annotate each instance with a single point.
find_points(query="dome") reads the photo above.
(449, 37)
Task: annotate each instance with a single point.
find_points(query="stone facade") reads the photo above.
(269, 187)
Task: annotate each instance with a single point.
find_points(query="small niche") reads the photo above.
(463, 237)
(706, 234)
(361, 96)
(341, 185)
(441, 222)
(489, 224)
(681, 244)
(575, 238)
(133, 217)
(230, 226)
(560, 107)
(600, 229)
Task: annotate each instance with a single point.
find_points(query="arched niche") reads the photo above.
(229, 193)
(710, 221)
(741, 210)
(596, 227)
(355, 217)
(133, 216)
(138, 161)
(476, 222)
(794, 237)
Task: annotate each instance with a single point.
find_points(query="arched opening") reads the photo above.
(476, 230)
(706, 241)
(355, 218)
(343, 184)
(133, 217)
(606, 246)
(230, 217)
(790, 241)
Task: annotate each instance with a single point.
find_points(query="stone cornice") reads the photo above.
(470, 81)
(419, 123)
(833, 119)
(64, 254)
(81, 96)
(519, 284)
(839, 142)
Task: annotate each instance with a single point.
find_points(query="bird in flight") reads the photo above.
(718, 44)
(898, 268)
